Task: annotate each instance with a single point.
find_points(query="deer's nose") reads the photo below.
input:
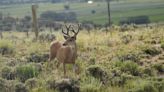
(64, 44)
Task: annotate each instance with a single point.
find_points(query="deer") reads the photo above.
(65, 52)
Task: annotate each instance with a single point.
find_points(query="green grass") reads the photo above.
(95, 49)
(128, 8)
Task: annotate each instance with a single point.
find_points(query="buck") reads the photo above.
(65, 52)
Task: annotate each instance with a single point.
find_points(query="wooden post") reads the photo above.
(109, 12)
(1, 35)
(34, 17)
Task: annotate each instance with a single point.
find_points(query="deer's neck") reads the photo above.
(74, 46)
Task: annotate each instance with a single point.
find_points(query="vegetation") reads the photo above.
(124, 58)
(117, 61)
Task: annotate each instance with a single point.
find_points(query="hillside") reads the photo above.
(130, 61)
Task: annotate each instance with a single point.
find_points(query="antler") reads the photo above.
(75, 33)
(67, 33)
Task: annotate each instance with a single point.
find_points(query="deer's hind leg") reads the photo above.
(58, 64)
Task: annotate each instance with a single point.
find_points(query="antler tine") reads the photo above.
(67, 33)
(77, 30)
(68, 27)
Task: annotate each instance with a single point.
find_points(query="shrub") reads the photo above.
(31, 83)
(159, 85)
(12, 62)
(25, 72)
(6, 47)
(35, 57)
(130, 67)
(66, 7)
(3, 85)
(93, 11)
(97, 72)
(90, 84)
(8, 73)
(149, 71)
(152, 50)
(63, 16)
(126, 38)
(143, 86)
(159, 67)
(20, 87)
(67, 85)
(92, 61)
(135, 57)
(62, 85)
(46, 37)
(162, 45)
(51, 84)
(135, 20)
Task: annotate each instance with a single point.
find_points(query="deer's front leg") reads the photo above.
(76, 69)
(64, 69)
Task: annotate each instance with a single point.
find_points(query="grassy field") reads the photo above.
(119, 10)
(130, 61)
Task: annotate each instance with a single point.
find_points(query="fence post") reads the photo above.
(35, 24)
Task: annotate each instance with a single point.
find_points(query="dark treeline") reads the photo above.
(6, 2)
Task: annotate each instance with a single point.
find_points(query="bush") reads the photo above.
(66, 7)
(6, 47)
(93, 11)
(8, 73)
(130, 67)
(150, 85)
(135, 57)
(64, 85)
(67, 85)
(63, 16)
(162, 45)
(126, 38)
(135, 20)
(25, 72)
(46, 37)
(97, 72)
(37, 58)
(145, 88)
(51, 84)
(159, 85)
(3, 85)
(149, 71)
(152, 50)
(12, 62)
(90, 84)
(159, 67)
(20, 87)
(31, 83)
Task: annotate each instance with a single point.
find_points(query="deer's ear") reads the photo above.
(65, 37)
